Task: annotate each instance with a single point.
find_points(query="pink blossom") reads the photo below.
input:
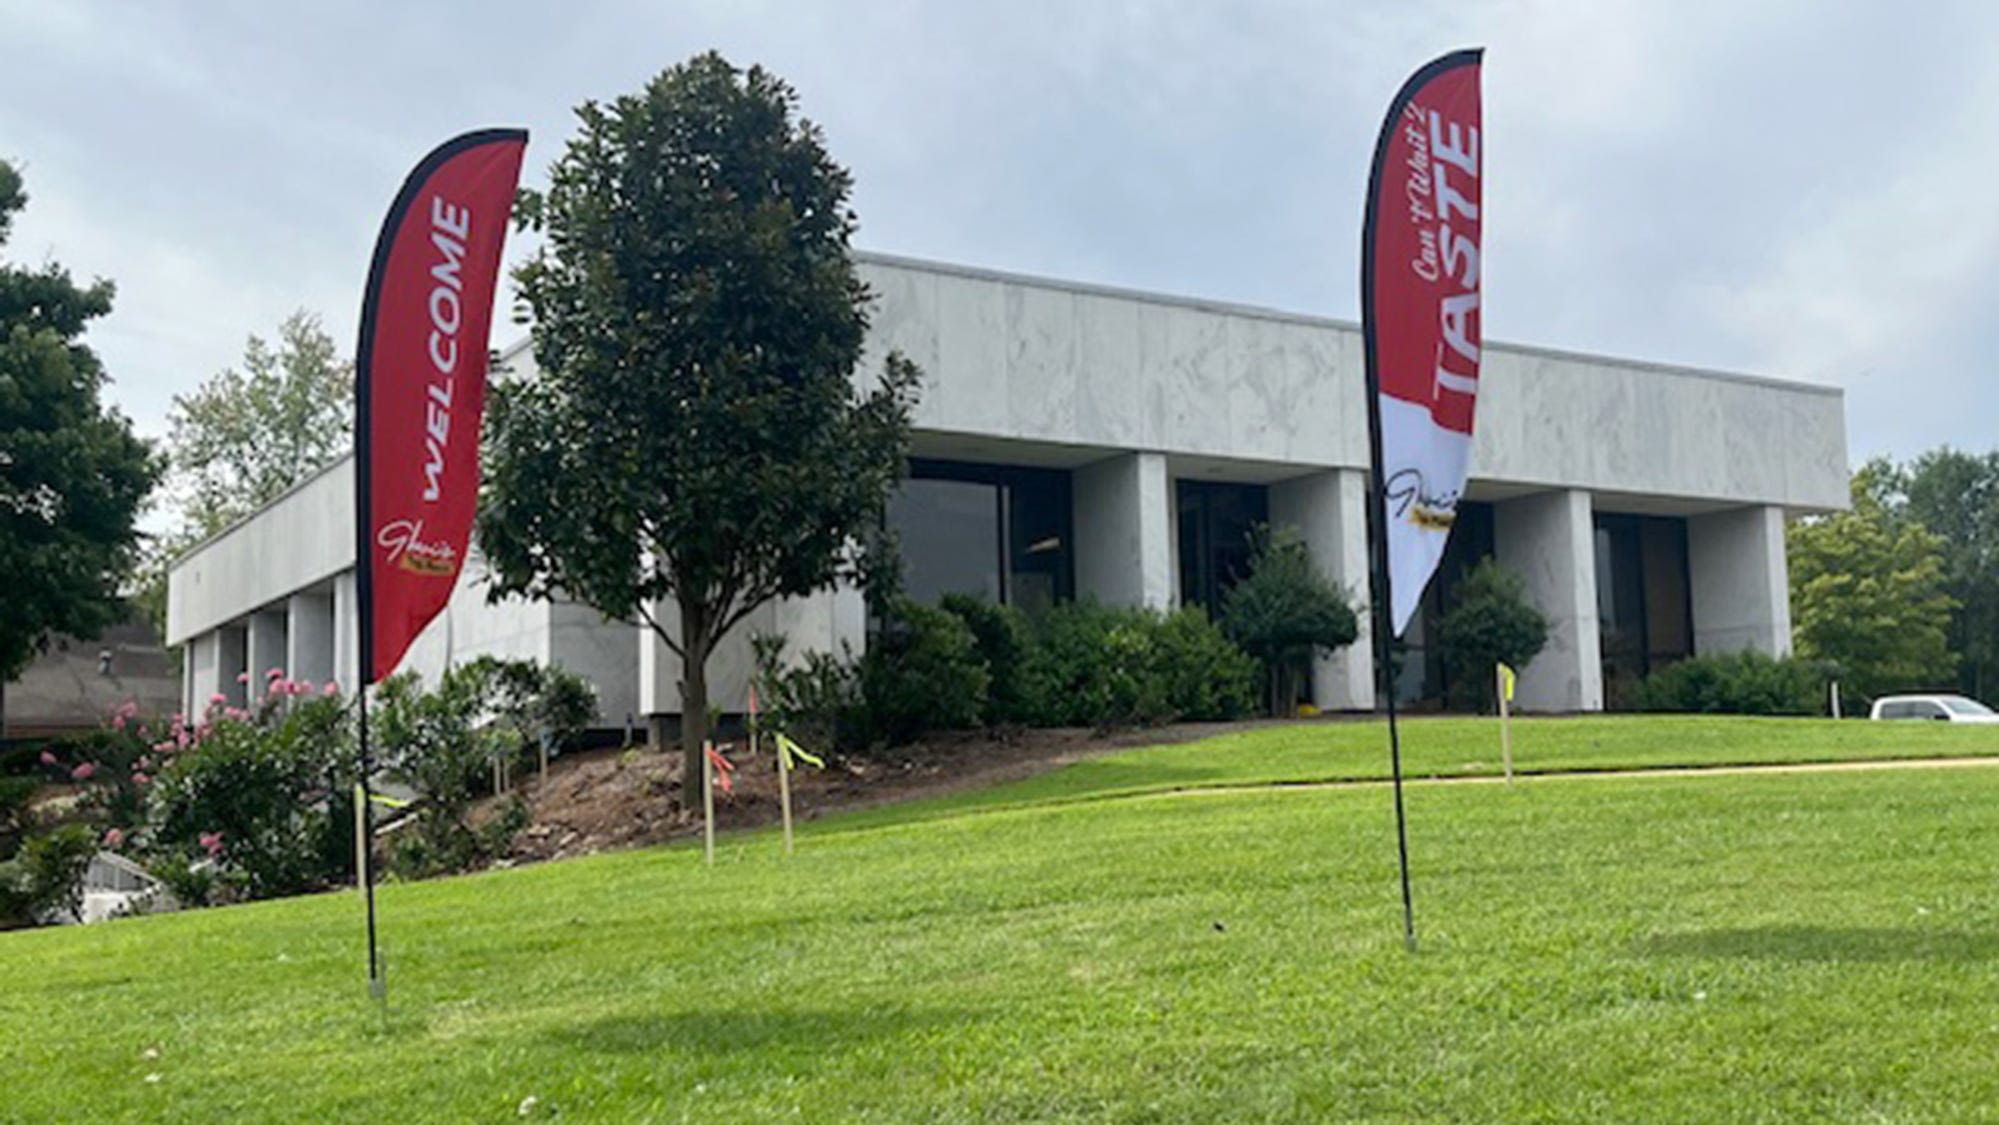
(164, 747)
(218, 697)
(145, 761)
(84, 771)
(48, 758)
(275, 674)
(331, 688)
(118, 722)
(139, 778)
(212, 841)
(113, 837)
(242, 677)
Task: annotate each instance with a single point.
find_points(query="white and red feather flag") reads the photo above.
(1420, 315)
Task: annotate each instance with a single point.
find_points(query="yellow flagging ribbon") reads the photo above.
(387, 801)
(793, 751)
(1507, 678)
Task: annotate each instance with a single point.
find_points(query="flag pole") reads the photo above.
(1377, 520)
(364, 600)
(1384, 638)
(1505, 719)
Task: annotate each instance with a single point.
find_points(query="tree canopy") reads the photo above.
(1955, 495)
(245, 436)
(1490, 622)
(72, 473)
(691, 444)
(1283, 611)
(1869, 593)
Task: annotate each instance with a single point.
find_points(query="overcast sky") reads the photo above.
(1793, 189)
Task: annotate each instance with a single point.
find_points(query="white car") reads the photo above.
(1945, 708)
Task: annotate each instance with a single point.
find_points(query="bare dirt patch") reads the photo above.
(603, 800)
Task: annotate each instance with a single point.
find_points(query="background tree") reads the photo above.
(692, 444)
(1491, 623)
(72, 474)
(1868, 593)
(1955, 496)
(1283, 611)
(245, 436)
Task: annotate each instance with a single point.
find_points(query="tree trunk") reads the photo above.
(694, 644)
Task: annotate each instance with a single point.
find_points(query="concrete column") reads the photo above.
(204, 671)
(309, 641)
(1124, 537)
(233, 663)
(1550, 540)
(1329, 511)
(266, 649)
(346, 632)
(1741, 581)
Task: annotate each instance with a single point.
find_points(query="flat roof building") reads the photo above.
(1080, 441)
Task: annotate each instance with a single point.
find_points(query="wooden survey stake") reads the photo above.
(708, 799)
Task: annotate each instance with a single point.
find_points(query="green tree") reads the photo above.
(1491, 623)
(1956, 496)
(1868, 593)
(72, 473)
(692, 444)
(1283, 611)
(245, 436)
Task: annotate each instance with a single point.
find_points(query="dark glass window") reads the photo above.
(1644, 613)
(1218, 523)
(997, 532)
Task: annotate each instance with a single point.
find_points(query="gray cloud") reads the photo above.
(1792, 188)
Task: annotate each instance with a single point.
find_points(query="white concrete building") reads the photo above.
(1078, 441)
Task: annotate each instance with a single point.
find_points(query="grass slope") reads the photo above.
(1727, 948)
(1302, 753)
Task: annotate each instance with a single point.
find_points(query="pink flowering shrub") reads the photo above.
(254, 802)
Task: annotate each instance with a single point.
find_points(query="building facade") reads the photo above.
(1078, 441)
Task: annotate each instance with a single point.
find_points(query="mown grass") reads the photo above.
(1322, 751)
(1734, 948)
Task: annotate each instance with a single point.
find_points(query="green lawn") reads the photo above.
(1309, 752)
(1772, 948)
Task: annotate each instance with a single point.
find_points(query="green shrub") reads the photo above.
(1206, 676)
(818, 703)
(445, 742)
(1282, 612)
(41, 866)
(1092, 665)
(44, 879)
(1000, 635)
(1491, 623)
(1737, 683)
(262, 802)
(432, 741)
(524, 702)
(922, 672)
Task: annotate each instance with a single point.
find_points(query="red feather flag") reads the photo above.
(420, 385)
(1420, 315)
